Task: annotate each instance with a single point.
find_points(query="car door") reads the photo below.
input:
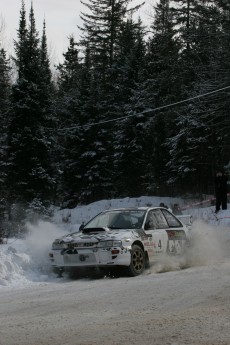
(155, 225)
(177, 238)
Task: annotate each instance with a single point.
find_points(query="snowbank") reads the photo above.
(82, 214)
(24, 262)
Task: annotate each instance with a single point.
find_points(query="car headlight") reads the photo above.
(109, 244)
(58, 245)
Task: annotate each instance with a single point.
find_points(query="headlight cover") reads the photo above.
(57, 245)
(109, 244)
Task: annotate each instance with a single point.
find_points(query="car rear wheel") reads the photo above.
(137, 264)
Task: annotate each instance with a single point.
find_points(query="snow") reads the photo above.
(176, 301)
(25, 262)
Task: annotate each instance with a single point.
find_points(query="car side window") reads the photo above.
(155, 220)
(172, 221)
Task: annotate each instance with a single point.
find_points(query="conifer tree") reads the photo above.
(70, 134)
(29, 174)
(5, 92)
(128, 141)
(155, 87)
(194, 146)
(47, 87)
(217, 77)
(224, 61)
(100, 41)
(102, 25)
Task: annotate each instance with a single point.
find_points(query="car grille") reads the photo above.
(81, 245)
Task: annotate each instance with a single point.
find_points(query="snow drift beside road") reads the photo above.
(24, 262)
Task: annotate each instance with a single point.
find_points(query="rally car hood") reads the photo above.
(102, 234)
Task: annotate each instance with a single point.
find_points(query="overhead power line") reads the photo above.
(146, 111)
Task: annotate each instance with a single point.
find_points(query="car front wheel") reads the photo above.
(137, 264)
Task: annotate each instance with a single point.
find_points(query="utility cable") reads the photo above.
(146, 111)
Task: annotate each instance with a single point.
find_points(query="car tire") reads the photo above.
(59, 271)
(137, 262)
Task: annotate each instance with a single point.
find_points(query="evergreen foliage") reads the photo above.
(29, 172)
(5, 106)
(114, 124)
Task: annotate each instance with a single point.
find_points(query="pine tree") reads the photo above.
(101, 28)
(194, 146)
(70, 135)
(156, 86)
(5, 92)
(20, 45)
(100, 41)
(128, 139)
(219, 77)
(46, 83)
(29, 174)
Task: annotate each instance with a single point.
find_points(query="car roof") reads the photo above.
(140, 208)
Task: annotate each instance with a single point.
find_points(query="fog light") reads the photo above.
(115, 251)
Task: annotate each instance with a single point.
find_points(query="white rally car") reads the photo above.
(130, 238)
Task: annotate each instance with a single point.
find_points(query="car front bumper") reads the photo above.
(90, 257)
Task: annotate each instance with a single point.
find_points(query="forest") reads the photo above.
(132, 110)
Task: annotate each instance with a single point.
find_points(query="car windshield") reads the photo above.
(118, 219)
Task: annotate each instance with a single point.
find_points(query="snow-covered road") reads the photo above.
(175, 302)
(189, 306)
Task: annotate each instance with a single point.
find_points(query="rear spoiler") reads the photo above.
(186, 219)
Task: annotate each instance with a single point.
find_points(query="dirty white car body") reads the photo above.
(130, 238)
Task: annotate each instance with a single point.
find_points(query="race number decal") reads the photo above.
(176, 241)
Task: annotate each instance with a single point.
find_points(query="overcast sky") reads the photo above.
(62, 18)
